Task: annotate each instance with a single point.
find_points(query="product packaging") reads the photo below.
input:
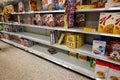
(48, 5)
(106, 23)
(99, 46)
(116, 29)
(101, 70)
(114, 51)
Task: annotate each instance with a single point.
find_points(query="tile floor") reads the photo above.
(16, 64)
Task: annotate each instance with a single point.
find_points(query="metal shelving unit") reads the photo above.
(85, 49)
(59, 58)
(98, 10)
(78, 30)
(35, 12)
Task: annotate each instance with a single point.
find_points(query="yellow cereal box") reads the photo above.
(71, 41)
(106, 23)
(116, 29)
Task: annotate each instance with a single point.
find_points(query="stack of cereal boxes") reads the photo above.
(106, 71)
(74, 41)
(109, 23)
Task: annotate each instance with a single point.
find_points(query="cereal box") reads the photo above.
(101, 3)
(71, 41)
(48, 20)
(114, 50)
(114, 72)
(9, 9)
(33, 5)
(106, 23)
(60, 4)
(21, 7)
(101, 70)
(37, 19)
(99, 46)
(29, 19)
(112, 4)
(80, 20)
(60, 20)
(48, 5)
(78, 3)
(116, 29)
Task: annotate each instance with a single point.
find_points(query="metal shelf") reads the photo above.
(85, 49)
(1, 13)
(59, 58)
(78, 30)
(98, 9)
(35, 12)
(1, 22)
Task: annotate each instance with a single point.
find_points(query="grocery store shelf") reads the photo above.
(98, 9)
(1, 13)
(34, 12)
(85, 49)
(80, 30)
(36, 26)
(15, 44)
(43, 27)
(1, 22)
(59, 58)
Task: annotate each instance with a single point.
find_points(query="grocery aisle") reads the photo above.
(16, 64)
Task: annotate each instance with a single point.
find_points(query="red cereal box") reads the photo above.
(114, 72)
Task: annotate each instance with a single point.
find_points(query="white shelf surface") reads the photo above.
(85, 49)
(35, 12)
(1, 22)
(97, 9)
(60, 58)
(78, 30)
(1, 13)
(44, 27)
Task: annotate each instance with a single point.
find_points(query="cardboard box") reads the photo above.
(106, 23)
(114, 51)
(48, 5)
(101, 70)
(60, 4)
(48, 20)
(98, 47)
(9, 9)
(113, 4)
(116, 29)
(33, 5)
(80, 20)
(21, 7)
(114, 72)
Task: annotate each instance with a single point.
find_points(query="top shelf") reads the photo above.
(33, 12)
(62, 11)
(98, 9)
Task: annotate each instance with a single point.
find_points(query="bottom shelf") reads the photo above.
(60, 58)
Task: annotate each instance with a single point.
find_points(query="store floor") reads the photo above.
(16, 64)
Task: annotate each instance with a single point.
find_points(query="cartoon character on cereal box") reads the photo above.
(60, 4)
(48, 5)
(60, 20)
(50, 20)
